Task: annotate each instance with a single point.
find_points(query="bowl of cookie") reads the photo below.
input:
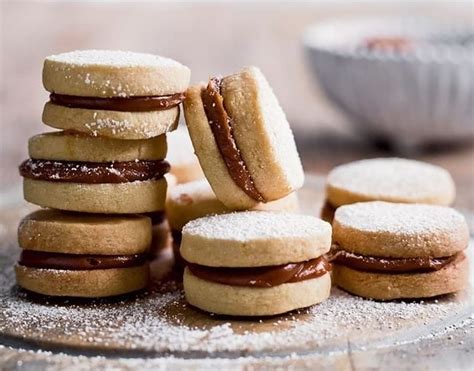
(405, 81)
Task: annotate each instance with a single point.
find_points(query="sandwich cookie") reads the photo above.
(83, 255)
(391, 251)
(256, 263)
(184, 163)
(243, 140)
(115, 94)
(387, 179)
(77, 172)
(196, 199)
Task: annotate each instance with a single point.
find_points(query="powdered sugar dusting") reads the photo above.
(112, 58)
(394, 179)
(401, 219)
(248, 225)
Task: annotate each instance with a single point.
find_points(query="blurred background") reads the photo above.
(215, 38)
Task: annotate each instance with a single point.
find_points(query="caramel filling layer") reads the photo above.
(128, 104)
(389, 265)
(92, 172)
(263, 276)
(48, 260)
(221, 126)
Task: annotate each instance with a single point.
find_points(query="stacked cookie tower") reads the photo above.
(114, 109)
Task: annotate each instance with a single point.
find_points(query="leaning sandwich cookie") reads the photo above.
(242, 139)
(256, 263)
(83, 255)
(76, 172)
(194, 200)
(115, 94)
(389, 251)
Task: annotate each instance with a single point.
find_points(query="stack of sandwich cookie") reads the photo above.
(387, 179)
(242, 139)
(391, 251)
(196, 199)
(114, 93)
(256, 263)
(115, 109)
(76, 172)
(83, 255)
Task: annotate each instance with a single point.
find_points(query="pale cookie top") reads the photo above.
(246, 226)
(80, 233)
(390, 179)
(113, 73)
(400, 230)
(254, 238)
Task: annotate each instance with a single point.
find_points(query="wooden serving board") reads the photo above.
(157, 328)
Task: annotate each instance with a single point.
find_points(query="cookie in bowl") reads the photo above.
(83, 255)
(388, 251)
(256, 263)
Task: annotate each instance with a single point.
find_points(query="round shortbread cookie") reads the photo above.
(451, 278)
(390, 179)
(250, 301)
(400, 230)
(95, 283)
(111, 124)
(106, 198)
(261, 132)
(67, 146)
(194, 200)
(254, 239)
(113, 73)
(77, 233)
(184, 163)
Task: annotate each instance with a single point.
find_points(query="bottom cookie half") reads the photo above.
(252, 301)
(82, 283)
(382, 286)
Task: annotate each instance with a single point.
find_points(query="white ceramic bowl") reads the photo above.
(423, 95)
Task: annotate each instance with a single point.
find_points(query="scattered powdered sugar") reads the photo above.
(404, 219)
(393, 179)
(112, 58)
(248, 225)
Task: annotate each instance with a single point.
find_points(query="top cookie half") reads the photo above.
(242, 139)
(390, 179)
(107, 73)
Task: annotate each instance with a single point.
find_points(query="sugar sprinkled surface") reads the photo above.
(393, 178)
(406, 219)
(160, 322)
(244, 226)
(112, 58)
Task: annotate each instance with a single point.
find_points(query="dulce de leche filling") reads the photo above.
(263, 276)
(389, 265)
(48, 260)
(124, 104)
(221, 126)
(93, 172)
